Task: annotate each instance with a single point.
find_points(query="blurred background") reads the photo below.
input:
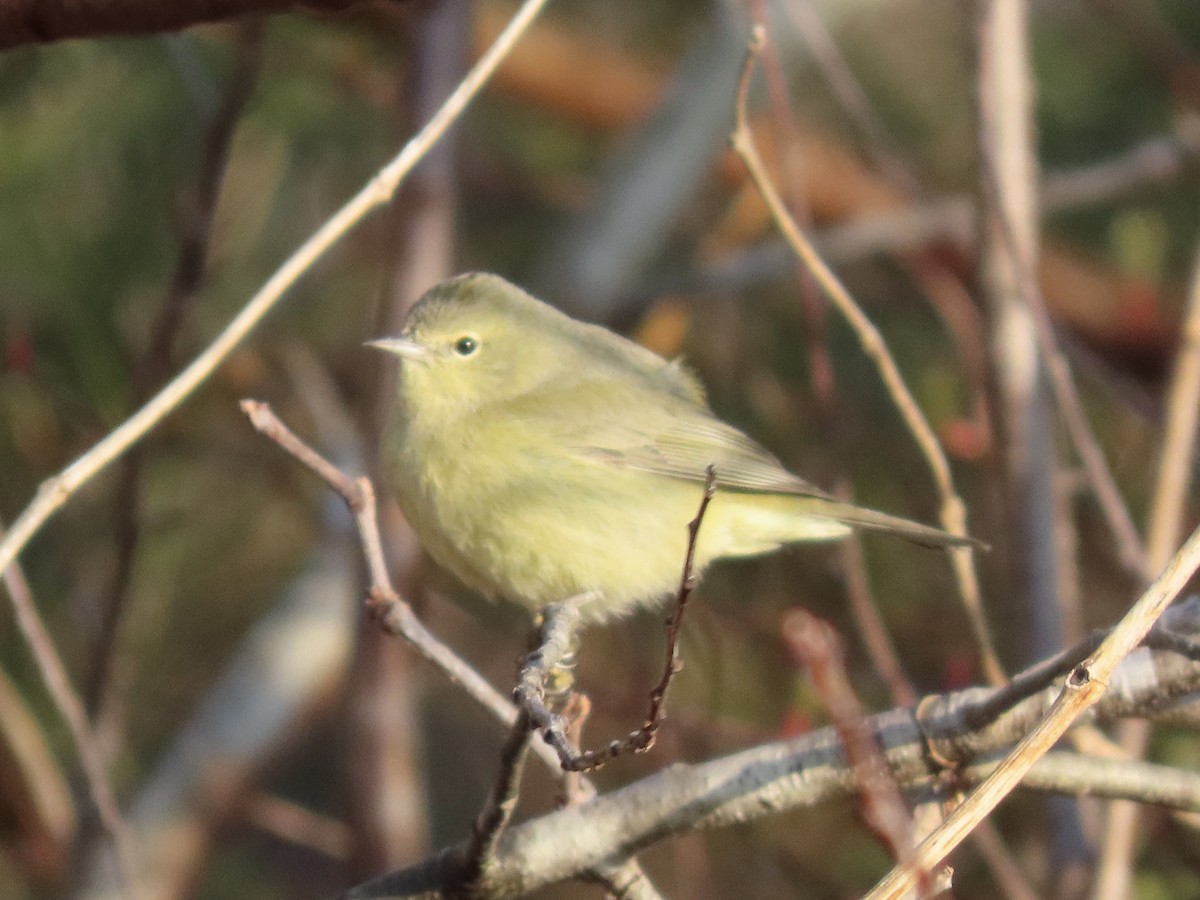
(205, 590)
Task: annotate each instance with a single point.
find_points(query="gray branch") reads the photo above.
(942, 737)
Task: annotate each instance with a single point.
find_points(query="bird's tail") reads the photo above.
(871, 520)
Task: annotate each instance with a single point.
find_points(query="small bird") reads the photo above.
(538, 458)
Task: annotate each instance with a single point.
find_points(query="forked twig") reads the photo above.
(530, 693)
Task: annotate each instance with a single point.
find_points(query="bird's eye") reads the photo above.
(465, 346)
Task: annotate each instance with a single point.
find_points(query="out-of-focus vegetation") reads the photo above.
(100, 145)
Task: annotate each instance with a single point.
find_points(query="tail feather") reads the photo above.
(871, 520)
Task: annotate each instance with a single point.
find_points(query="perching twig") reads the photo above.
(398, 618)
(531, 690)
(555, 644)
(953, 512)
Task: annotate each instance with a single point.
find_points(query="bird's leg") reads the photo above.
(560, 680)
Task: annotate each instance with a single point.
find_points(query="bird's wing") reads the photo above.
(685, 446)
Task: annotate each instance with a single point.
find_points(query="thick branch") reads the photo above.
(921, 747)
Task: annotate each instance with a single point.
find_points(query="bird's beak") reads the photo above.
(402, 347)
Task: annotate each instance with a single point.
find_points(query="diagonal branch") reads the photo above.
(55, 491)
(1084, 687)
(397, 618)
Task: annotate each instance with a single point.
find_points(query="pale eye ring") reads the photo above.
(466, 345)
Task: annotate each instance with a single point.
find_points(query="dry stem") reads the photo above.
(953, 511)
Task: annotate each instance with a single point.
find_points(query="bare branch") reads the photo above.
(1084, 687)
(920, 746)
(55, 491)
(70, 706)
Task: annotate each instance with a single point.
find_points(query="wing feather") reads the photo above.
(685, 446)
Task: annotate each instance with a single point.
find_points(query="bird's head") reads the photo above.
(473, 340)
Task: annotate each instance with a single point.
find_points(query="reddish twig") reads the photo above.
(816, 646)
(294, 824)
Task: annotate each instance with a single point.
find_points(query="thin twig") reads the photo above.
(531, 690)
(871, 628)
(814, 307)
(953, 511)
(55, 491)
(840, 78)
(1166, 525)
(386, 604)
(291, 822)
(501, 801)
(1084, 687)
(1179, 437)
(70, 706)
